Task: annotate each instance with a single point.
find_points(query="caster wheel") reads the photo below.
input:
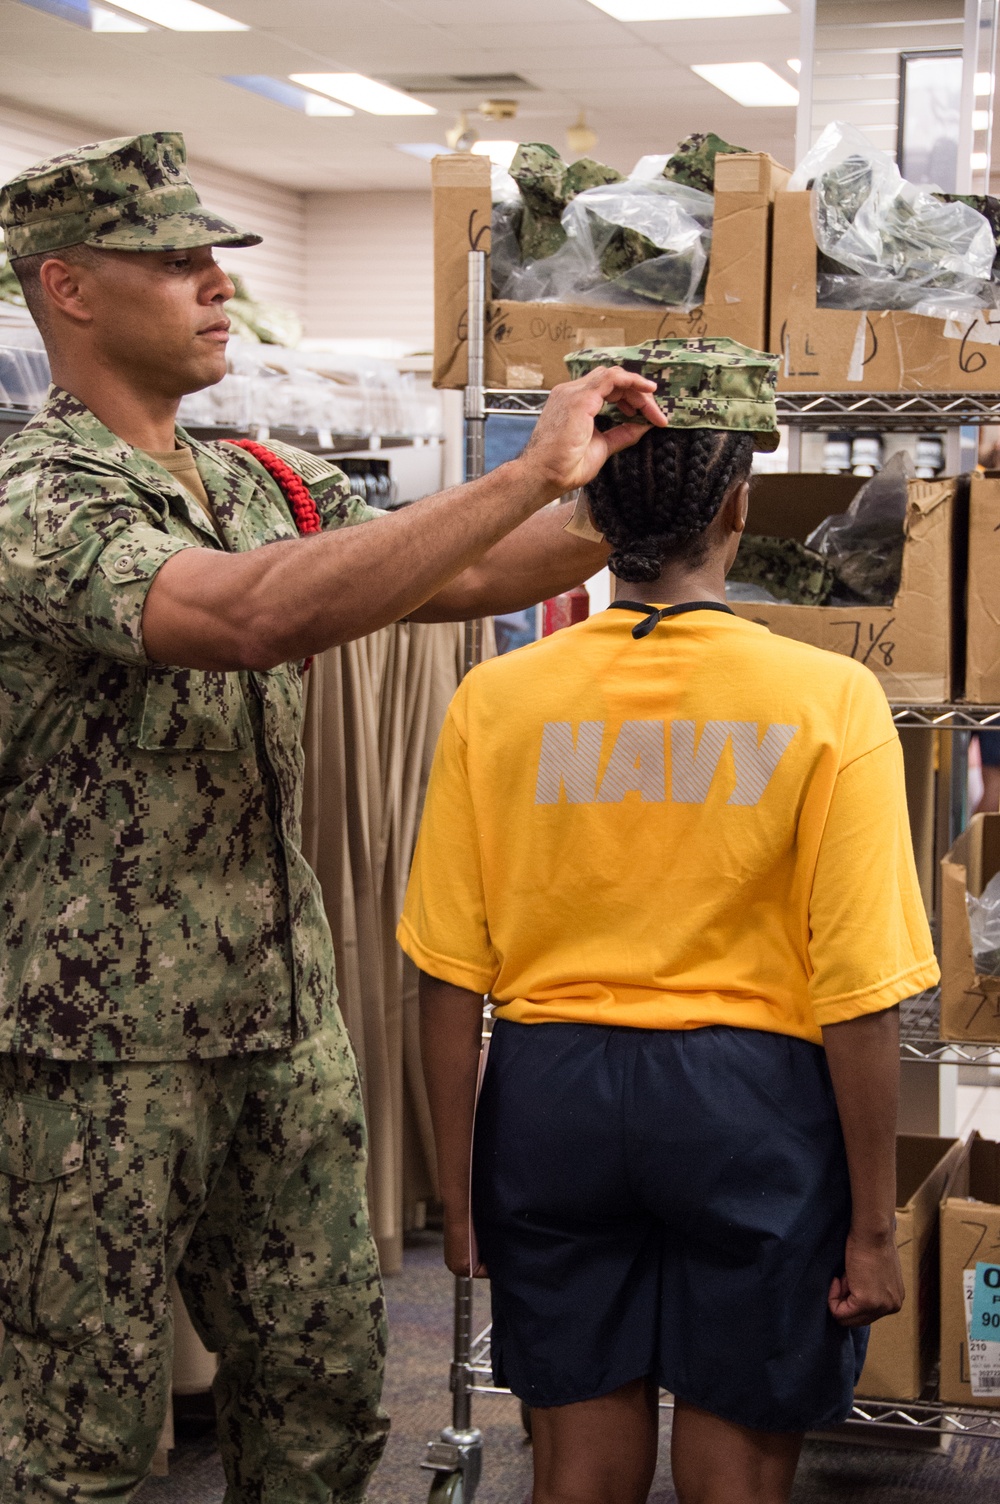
(447, 1488)
(526, 1419)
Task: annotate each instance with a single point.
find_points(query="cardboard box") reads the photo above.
(902, 1349)
(982, 596)
(908, 645)
(970, 1234)
(836, 350)
(526, 342)
(970, 1003)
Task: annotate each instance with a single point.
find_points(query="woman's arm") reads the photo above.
(451, 1028)
(863, 1056)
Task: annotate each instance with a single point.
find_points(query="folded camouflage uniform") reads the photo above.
(693, 166)
(547, 185)
(786, 567)
(693, 163)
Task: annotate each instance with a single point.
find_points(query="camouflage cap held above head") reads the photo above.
(129, 194)
(700, 383)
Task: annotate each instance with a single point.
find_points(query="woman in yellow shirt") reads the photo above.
(673, 848)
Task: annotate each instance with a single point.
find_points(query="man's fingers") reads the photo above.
(623, 435)
(629, 392)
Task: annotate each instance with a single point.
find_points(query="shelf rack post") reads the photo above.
(459, 1452)
(475, 414)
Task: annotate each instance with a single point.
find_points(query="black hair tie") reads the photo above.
(654, 615)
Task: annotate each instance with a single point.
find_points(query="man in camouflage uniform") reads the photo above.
(177, 1093)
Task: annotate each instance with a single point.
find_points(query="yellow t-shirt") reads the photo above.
(704, 826)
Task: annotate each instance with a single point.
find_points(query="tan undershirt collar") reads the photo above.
(181, 465)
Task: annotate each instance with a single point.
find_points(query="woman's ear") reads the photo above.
(735, 507)
(742, 506)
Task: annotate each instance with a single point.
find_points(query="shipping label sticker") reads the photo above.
(983, 1334)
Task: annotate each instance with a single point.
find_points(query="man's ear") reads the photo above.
(63, 285)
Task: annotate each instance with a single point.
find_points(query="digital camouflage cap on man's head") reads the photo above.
(129, 194)
(700, 383)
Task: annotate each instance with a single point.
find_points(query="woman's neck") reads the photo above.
(678, 583)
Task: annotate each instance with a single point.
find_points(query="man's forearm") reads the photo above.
(272, 605)
(863, 1056)
(267, 606)
(451, 1027)
(539, 559)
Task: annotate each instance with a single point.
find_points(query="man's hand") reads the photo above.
(872, 1283)
(565, 450)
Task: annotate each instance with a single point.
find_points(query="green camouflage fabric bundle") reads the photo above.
(129, 194)
(986, 205)
(693, 163)
(264, 322)
(785, 567)
(700, 383)
(547, 185)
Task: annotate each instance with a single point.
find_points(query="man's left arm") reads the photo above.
(538, 560)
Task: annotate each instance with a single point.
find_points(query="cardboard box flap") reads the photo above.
(460, 169)
(749, 172)
(924, 1165)
(925, 496)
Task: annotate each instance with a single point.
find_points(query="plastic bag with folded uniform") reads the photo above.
(582, 233)
(852, 558)
(984, 928)
(886, 243)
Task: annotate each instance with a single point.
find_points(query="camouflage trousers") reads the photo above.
(245, 1177)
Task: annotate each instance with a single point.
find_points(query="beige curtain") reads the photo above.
(373, 712)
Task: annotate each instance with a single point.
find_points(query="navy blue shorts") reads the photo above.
(989, 748)
(665, 1203)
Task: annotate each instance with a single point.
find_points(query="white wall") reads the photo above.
(369, 267)
(275, 271)
(353, 265)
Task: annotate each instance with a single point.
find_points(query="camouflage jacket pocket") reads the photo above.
(49, 1284)
(189, 710)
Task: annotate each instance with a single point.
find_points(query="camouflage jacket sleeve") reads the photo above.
(79, 550)
(329, 487)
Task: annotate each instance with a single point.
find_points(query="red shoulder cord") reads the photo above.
(294, 489)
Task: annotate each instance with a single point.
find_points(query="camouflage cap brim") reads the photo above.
(129, 194)
(708, 382)
(172, 232)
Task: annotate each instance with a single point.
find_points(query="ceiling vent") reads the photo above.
(460, 83)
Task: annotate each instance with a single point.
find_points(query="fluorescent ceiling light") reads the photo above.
(181, 15)
(687, 10)
(364, 93)
(752, 84)
(795, 63)
(279, 92)
(83, 13)
(980, 161)
(980, 120)
(983, 85)
(500, 152)
(110, 20)
(425, 150)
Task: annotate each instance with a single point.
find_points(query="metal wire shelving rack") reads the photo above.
(456, 1458)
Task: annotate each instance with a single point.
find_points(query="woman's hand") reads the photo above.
(872, 1283)
(457, 1242)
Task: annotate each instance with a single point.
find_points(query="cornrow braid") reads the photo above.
(655, 500)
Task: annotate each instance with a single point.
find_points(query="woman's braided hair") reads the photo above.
(656, 499)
